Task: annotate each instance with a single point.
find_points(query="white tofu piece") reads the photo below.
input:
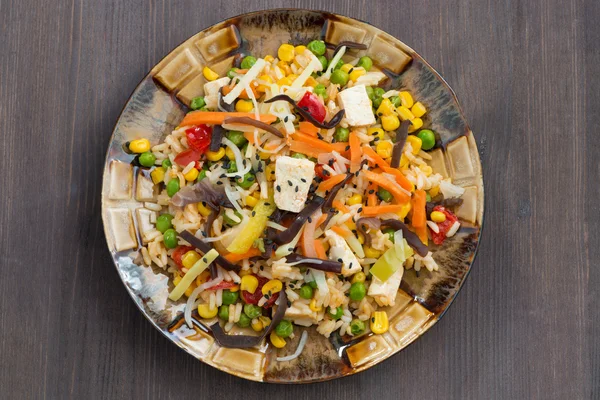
(293, 177)
(357, 104)
(339, 250)
(211, 92)
(301, 314)
(385, 293)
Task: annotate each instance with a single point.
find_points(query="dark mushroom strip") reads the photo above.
(254, 123)
(401, 136)
(202, 191)
(315, 263)
(290, 233)
(348, 44)
(245, 341)
(333, 122)
(215, 140)
(372, 222)
(411, 238)
(205, 248)
(224, 106)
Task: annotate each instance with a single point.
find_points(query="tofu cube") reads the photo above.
(385, 293)
(293, 177)
(339, 250)
(357, 104)
(211, 92)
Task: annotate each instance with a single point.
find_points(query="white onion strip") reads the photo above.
(190, 305)
(298, 349)
(309, 261)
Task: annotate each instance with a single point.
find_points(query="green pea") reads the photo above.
(229, 221)
(312, 284)
(396, 101)
(284, 329)
(197, 103)
(306, 292)
(166, 163)
(173, 187)
(427, 197)
(370, 92)
(248, 181)
(299, 156)
(320, 90)
(224, 312)
(339, 64)
(237, 138)
(323, 61)
(335, 313)
(341, 134)
(384, 195)
(232, 167)
(230, 297)
(252, 311)
(339, 77)
(244, 321)
(365, 62)
(377, 97)
(390, 232)
(248, 62)
(357, 327)
(427, 138)
(147, 159)
(163, 222)
(231, 73)
(170, 238)
(357, 291)
(201, 175)
(317, 47)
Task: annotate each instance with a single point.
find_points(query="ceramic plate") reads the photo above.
(160, 102)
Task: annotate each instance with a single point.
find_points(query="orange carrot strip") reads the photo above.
(320, 249)
(355, 152)
(381, 163)
(372, 197)
(339, 230)
(376, 210)
(322, 219)
(331, 182)
(249, 136)
(383, 182)
(340, 206)
(422, 234)
(308, 128)
(217, 117)
(419, 219)
(305, 148)
(320, 144)
(232, 257)
(400, 178)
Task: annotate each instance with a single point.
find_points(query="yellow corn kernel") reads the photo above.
(209, 74)
(158, 175)
(403, 161)
(359, 277)
(361, 238)
(191, 175)
(384, 148)
(376, 132)
(244, 106)
(190, 290)
(438, 216)
(286, 52)
(312, 82)
(234, 288)
(264, 156)
(313, 305)
(176, 280)
(203, 277)
(386, 108)
(357, 73)
(285, 67)
(418, 109)
(415, 124)
(206, 312)
(139, 146)
(257, 325)
(354, 199)
(379, 322)
(189, 259)
(347, 67)
(300, 49)
(266, 78)
(426, 169)
(434, 191)
(371, 252)
(404, 210)
(292, 77)
(272, 287)
(251, 201)
(406, 99)
(276, 340)
(269, 58)
(405, 113)
(249, 283)
(266, 321)
(270, 172)
(390, 122)
(229, 153)
(351, 224)
(285, 81)
(415, 142)
(245, 272)
(203, 210)
(215, 155)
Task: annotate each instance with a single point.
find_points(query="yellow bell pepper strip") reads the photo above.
(192, 273)
(254, 228)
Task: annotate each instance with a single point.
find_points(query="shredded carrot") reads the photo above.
(419, 200)
(422, 234)
(331, 182)
(217, 117)
(355, 152)
(376, 210)
(319, 144)
(249, 136)
(390, 186)
(322, 219)
(232, 257)
(320, 249)
(340, 206)
(381, 163)
(339, 230)
(305, 148)
(371, 196)
(308, 128)
(244, 94)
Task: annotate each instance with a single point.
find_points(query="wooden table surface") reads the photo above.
(526, 323)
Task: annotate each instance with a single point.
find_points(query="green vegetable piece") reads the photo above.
(370, 92)
(339, 77)
(335, 313)
(339, 65)
(427, 197)
(248, 62)
(224, 312)
(230, 297)
(390, 232)
(170, 238)
(252, 311)
(197, 103)
(244, 321)
(147, 159)
(284, 329)
(324, 62)
(306, 291)
(201, 175)
(312, 284)
(377, 97)
(341, 134)
(166, 163)
(237, 138)
(384, 195)
(229, 221)
(427, 138)
(299, 156)
(173, 187)
(231, 73)
(357, 291)
(365, 62)
(317, 47)
(386, 265)
(232, 167)
(163, 222)
(248, 180)
(357, 327)
(396, 101)
(320, 90)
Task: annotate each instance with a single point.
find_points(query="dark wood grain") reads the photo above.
(526, 324)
